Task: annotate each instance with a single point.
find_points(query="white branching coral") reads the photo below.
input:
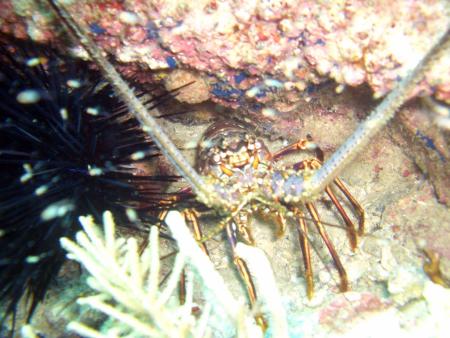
(126, 286)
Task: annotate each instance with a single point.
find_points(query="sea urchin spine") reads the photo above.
(69, 147)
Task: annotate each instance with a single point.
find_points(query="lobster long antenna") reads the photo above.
(126, 94)
(382, 114)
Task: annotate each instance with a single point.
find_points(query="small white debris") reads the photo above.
(64, 113)
(94, 171)
(191, 145)
(28, 96)
(28, 173)
(405, 284)
(94, 111)
(33, 62)
(41, 190)
(252, 92)
(269, 112)
(311, 146)
(73, 83)
(32, 259)
(27, 331)
(289, 66)
(36, 61)
(206, 144)
(55, 210)
(387, 260)
(356, 268)
(339, 89)
(138, 155)
(79, 52)
(442, 122)
(273, 83)
(421, 243)
(129, 18)
(324, 277)
(131, 215)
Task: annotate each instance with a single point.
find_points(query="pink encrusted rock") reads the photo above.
(196, 92)
(343, 310)
(296, 42)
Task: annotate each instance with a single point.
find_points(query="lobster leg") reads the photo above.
(316, 164)
(337, 262)
(306, 251)
(358, 208)
(231, 231)
(348, 222)
(191, 218)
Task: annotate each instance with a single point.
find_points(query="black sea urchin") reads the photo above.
(68, 148)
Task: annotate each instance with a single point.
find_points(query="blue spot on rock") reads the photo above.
(320, 42)
(224, 91)
(152, 30)
(429, 144)
(240, 77)
(96, 29)
(261, 93)
(171, 62)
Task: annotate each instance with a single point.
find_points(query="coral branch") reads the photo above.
(126, 284)
(266, 288)
(218, 292)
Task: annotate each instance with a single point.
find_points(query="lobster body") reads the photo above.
(238, 164)
(240, 169)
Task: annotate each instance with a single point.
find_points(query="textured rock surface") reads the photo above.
(248, 50)
(269, 52)
(387, 280)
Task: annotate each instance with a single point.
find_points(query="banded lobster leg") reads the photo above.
(315, 163)
(358, 209)
(191, 218)
(308, 145)
(323, 233)
(232, 230)
(306, 251)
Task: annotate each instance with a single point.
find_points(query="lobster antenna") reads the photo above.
(379, 117)
(148, 123)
